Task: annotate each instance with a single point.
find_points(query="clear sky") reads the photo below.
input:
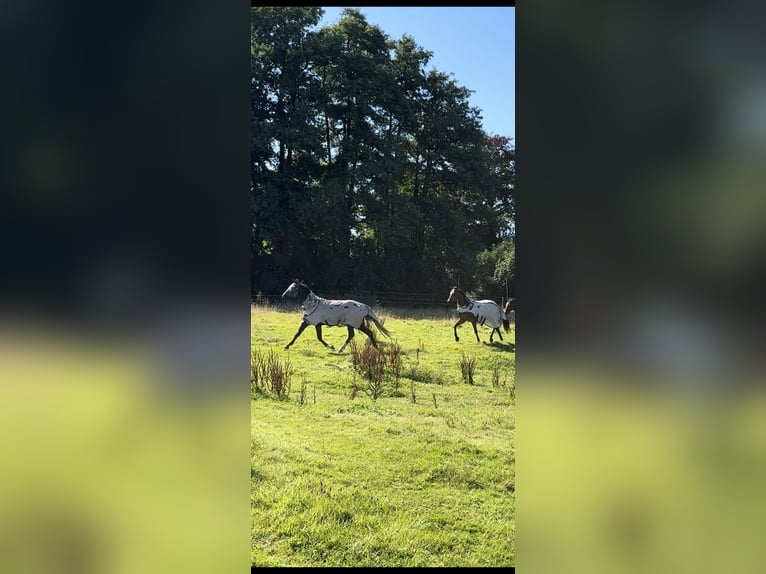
(476, 45)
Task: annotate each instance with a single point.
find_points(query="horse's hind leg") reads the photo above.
(476, 332)
(366, 330)
(350, 336)
(304, 324)
(319, 336)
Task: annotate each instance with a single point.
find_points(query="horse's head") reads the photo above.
(297, 290)
(292, 290)
(510, 305)
(455, 295)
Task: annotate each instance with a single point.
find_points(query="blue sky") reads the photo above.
(474, 44)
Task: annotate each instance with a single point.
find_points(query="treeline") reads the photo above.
(370, 171)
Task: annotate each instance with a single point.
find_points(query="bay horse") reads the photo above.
(483, 311)
(509, 306)
(318, 311)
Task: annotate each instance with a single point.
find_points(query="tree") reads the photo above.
(359, 155)
(285, 139)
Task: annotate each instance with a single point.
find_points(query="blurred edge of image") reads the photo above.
(124, 339)
(641, 264)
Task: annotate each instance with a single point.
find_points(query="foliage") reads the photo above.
(498, 268)
(359, 154)
(270, 373)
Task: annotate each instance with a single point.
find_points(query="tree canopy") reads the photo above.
(370, 172)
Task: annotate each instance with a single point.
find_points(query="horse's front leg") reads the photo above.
(348, 340)
(460, 322)
(476, 332)
(304, 324)
(319, 336)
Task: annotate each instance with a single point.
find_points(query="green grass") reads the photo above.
(341, 481)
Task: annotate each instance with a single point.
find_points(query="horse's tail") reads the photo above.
(509, 306)
(374, 318)
(506, 320)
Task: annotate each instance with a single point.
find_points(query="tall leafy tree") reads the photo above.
(358, 83)
(285, 140)
(367, 170)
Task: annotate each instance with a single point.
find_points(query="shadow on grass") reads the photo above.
(503, 346)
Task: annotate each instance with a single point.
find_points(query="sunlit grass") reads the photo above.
(355, 482)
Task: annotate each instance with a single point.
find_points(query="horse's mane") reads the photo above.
(461, 291)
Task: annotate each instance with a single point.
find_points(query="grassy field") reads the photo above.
(414, 471)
